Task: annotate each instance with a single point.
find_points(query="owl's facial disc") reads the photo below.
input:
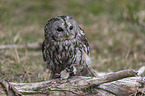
(64, 34)
(64, 30)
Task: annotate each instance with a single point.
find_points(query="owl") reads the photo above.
(66, 49)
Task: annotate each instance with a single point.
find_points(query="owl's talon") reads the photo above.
(57, 75)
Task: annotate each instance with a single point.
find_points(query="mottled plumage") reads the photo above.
(65, 47)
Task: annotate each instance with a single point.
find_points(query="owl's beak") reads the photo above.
(67, 35)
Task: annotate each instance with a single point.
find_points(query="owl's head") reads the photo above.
(61, 28)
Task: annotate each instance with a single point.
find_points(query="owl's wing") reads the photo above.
(44, 50)
(84, 41)
(87, 67)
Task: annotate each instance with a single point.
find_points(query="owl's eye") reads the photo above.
(71, 27)
(59, 29)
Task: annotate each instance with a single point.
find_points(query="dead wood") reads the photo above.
(35, 45)
(121, 83)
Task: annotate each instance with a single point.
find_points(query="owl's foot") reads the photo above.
(71, 69)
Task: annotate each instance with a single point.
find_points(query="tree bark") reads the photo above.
(121, 83)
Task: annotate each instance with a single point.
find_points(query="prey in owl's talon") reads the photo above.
(68, 72)
(64, 74)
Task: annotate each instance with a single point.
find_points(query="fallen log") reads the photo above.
(121, 83)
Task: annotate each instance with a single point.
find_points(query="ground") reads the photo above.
(115, 31)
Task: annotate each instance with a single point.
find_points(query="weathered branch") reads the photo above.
(36, 45)
(109, 85)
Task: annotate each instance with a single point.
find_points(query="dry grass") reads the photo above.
(115, 30)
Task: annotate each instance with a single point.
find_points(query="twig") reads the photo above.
(10, 89)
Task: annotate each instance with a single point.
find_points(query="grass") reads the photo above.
(115, 30)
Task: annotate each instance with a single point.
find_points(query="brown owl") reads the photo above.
(66, 48)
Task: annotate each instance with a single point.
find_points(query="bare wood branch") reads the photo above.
(108, 85)
(36, 45)
(113, 76)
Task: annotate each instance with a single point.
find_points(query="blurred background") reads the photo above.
(115, 30)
